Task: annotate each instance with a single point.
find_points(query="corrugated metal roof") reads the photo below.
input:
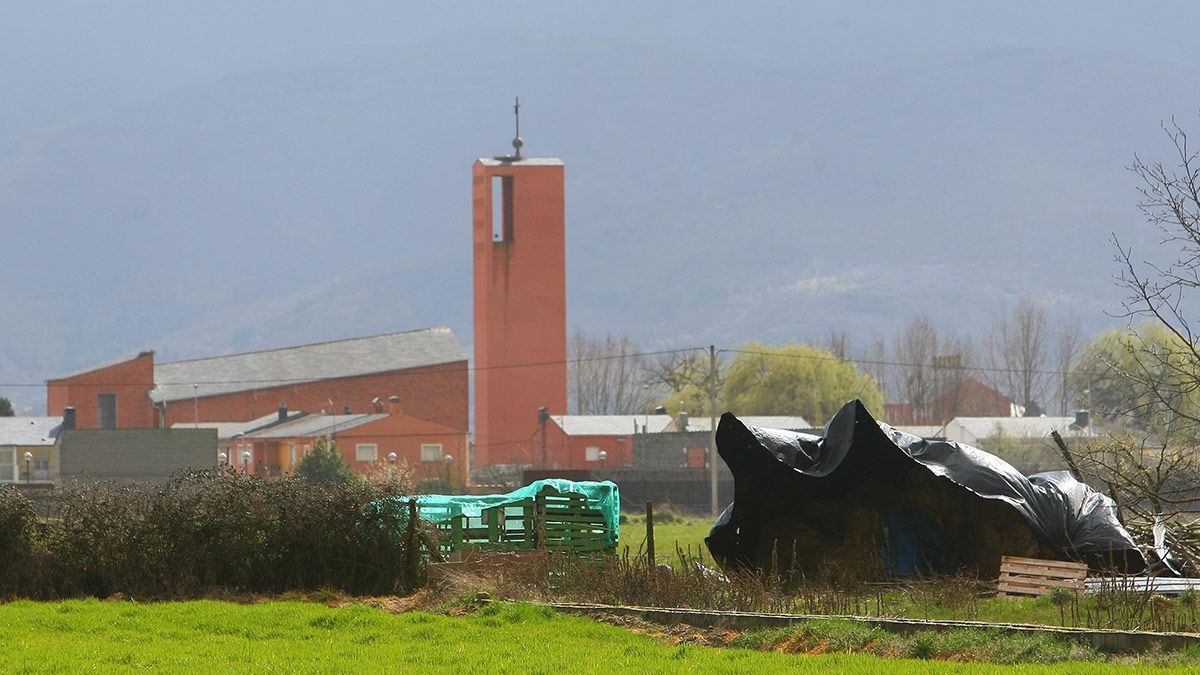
(610, 425)
(1019, 427)
(182, 380)
(924, 430)
(789, 422)
(29, 430)
(227, 430)
(315, 425)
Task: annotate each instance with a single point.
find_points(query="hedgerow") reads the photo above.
(202, 533)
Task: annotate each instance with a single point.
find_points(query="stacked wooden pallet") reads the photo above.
(1024, 577)
(553, 521)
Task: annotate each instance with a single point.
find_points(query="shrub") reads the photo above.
(325, 464)
(17, 520)
(201, 533)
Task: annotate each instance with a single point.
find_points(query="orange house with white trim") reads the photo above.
(366, 441)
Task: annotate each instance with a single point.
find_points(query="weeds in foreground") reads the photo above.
(630, 580)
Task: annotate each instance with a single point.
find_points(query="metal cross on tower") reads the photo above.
(517, 142)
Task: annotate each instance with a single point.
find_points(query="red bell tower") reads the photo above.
(520, 302)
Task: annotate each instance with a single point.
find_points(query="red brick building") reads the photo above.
(520, 305)
(966, 398)
(113, 395)
(427, 369)
(592, 441)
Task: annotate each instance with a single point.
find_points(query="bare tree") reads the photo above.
(838, 344)
(684, 381)
(929, 370)
(915, 350)
(874, 363)
(608, 376)
(954, 364)
(1154, 481)
(1070, 339)
(1167, 372)
(1156, 476)
(1018, 355)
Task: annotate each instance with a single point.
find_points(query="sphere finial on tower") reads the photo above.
(517, 142)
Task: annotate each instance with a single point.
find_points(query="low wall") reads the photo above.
(134, 455)
(1110, 641)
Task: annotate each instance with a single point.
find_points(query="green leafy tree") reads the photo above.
(6, 408)
(796, 380)
(325, 465)
(1144, 377)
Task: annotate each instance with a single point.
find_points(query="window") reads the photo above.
(502, 208)
(431, 452)
(8, 463)
(696, 458)
(306, 448)
(592, 454)
(366, 452)
(106, 411)
(292, 453)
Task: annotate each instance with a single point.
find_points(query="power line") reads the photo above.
(875, 362)
(278, 382)
(423, 369)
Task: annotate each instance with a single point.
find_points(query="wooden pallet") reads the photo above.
(1025, 577)
(553, 520)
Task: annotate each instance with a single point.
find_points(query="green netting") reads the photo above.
(601, 495)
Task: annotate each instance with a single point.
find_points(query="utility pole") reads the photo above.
(712, 426)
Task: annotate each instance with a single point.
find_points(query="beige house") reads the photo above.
(36, 436)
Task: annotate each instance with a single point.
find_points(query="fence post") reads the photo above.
(539, 520)
(650, 533)
(412, 563)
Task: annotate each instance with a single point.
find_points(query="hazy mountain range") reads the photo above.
(720, 188)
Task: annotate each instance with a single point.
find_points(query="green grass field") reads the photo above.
(206, 636)
(682, 530)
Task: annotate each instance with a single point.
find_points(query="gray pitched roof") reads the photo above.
(29, 430)
(182, 380)
(227, 430)
(1017, 427)
(315, 425)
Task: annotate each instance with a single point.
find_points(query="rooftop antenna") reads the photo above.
(517, 142)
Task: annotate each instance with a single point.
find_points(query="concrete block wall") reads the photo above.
(134, 455)
(666, 450)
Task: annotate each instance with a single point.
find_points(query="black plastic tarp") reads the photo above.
(931, 506)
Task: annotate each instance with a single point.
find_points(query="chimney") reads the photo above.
(377, 404)
(681, 421)
(1082, 419)
(346, 411)
(68, 422)
(282, 411)
(394, 404)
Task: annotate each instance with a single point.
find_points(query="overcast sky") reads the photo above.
(61, 58)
